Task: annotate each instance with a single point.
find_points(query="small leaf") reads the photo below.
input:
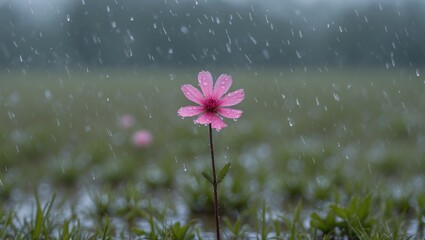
(208, 177)
(223, 172)
(340, 212)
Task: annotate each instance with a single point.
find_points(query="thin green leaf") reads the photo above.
(38, 219)
(294, 222)
(208, 177)
(340, 212)
(106, 229)
(223, 172)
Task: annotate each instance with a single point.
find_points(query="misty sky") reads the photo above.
(48, 10)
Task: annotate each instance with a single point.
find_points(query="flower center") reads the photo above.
(210, 105)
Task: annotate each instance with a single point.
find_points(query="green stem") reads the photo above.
(216, 208)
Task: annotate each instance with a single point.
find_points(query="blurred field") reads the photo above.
(320, 136)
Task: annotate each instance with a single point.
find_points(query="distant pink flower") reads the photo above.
(212, 103)
(142, 138)
(126, 121)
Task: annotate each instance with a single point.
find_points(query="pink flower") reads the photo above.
(126, 121)
(212, 104)
(142, 138)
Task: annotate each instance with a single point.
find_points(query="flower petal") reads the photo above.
(206, 83)
(232, 98)
(193, 94)
(222, 85)
(230, 113)
(190, 111)
(217, 123)
(205, 118)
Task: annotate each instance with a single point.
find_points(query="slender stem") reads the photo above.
(216, 210)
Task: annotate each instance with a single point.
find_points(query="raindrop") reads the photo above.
(172, 76)
(291, 121)
(11, 115)
(317, 101)
(418, 73)
(68, 18)
(253, 40)
(109, 132)
(298, 54)
(184, 167)
(47, 94)
(266, 54)
(392, 59)
(336, 97)
(184, 29)
(247, 58)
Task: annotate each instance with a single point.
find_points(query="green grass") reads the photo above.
(338, 153)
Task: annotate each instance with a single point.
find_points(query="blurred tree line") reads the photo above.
(171, 32)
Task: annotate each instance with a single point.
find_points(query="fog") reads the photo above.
(43, 33)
